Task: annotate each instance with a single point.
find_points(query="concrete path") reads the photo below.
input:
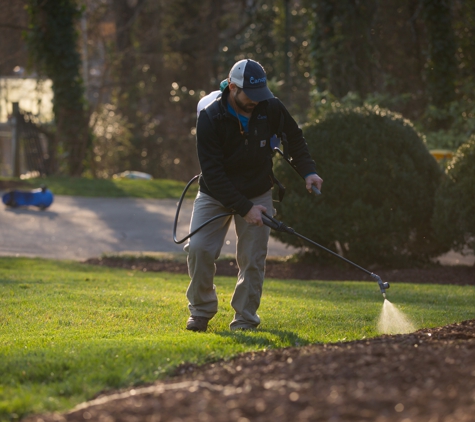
(79, 228)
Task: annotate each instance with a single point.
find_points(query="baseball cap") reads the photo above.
(251, 77)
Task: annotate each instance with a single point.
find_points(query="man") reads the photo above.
(233, 144)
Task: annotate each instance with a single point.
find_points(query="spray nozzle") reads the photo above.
(382, 285)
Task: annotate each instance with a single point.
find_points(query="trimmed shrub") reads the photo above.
(378, 193)
(454, 215)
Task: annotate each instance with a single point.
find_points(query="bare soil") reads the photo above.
(426, 376)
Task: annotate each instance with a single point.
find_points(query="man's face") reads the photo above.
(243, 101)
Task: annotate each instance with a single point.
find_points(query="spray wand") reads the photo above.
(276, 225)
(281, 227)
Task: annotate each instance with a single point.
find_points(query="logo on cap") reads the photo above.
(253, 80)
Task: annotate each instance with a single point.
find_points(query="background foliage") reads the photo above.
(151, 61)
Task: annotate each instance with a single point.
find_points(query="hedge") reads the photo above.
(378, 193)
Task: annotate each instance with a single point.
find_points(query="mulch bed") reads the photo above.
(462, 275)
(427, 376)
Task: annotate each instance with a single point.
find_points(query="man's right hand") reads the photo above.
(254, 216)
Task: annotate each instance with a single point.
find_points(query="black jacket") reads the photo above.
(236, 167)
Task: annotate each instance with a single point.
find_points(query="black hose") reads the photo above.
(182, 197)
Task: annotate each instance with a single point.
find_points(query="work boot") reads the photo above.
(197, 323)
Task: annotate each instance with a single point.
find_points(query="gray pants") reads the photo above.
(204, 248)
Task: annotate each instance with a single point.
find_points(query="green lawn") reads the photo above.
(69, 331)
(112, 188)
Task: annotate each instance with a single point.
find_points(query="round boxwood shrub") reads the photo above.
(378, 193)
(454, 215)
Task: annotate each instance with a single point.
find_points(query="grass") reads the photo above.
(108, 188)
(69, 330)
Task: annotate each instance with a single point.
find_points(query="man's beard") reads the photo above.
(246, 108)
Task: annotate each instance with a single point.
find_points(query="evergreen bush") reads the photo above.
(378, 193)
(454, 216)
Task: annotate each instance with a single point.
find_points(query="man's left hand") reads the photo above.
(315, 180)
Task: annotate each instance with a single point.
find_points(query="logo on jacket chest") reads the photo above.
(263, 143)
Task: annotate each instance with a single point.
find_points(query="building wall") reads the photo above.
(33, 95)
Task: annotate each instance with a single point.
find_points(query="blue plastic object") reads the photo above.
(41, 198)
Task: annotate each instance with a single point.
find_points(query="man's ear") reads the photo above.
(232, 86)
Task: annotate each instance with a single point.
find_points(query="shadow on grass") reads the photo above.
(252, 338)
